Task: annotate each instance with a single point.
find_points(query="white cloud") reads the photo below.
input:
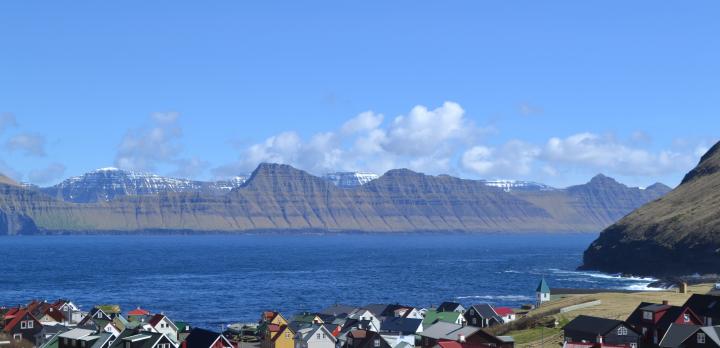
(423, 130)
(365, 121)
(424, 139)
(48, 174)
(515, 158)
(158, 145)
(605, 153)
(28, 144)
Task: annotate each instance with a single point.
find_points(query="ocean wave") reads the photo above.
(603, 275)
(496, 297)
(642, 287)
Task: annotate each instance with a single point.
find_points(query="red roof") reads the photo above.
(55, 314)
(456, 344)
(503, 311)
(156, 319)
(18, 317)
(273, 327)
(138, 311)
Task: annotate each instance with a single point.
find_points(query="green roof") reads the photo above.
(109, 308)
(543, 287)
(432, 316)
(181, 325)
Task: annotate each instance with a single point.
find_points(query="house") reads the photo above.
(506, 313)
(70, 311)
(432, 316)
(365, 339)
(542, 292)
(397, 310)
(51, 316)
(482, 315)
(396, 330)
(308, 318)
(315, 337)
(451, 307)
(22, 325)
(48, 332)
(653, 320)
(365, 320)
(691, 336)
(200, 338)
(470, 335)
(270, 318)
(337, 310)
(162, 324)
(141, 339)
(278, 336)
(406, 326)
(84, 338)
(586, 331)
(138, 314)
(707, 307)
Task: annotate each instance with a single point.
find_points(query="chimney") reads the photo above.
(665, 302)
(461, 338)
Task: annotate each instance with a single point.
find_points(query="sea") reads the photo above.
(214, 280)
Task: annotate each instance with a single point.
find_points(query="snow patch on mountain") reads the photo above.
(350, 179)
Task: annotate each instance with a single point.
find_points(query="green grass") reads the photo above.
(534, 334)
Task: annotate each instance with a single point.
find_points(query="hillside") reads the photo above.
(676, 235)
(282, 198)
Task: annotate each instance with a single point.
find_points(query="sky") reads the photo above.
(548, 91)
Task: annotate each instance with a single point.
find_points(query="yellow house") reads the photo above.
(284, 338)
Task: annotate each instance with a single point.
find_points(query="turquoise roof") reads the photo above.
(543, 287)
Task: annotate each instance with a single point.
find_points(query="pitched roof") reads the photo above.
(406, 326)
(200, 338)
(54, 313)
(433, 316)
(448, 331)
(677, 334)
(543, 286)
(594, 325)
(671, 314)
(456, 344)
(138, 311)
(76, 334)
(704, 305)
(486, 311)
(17, 317)
(338, 309)
(448, 306)
(377, 309)
(503, 311)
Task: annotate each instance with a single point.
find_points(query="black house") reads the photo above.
(705, 306)
(599, 331)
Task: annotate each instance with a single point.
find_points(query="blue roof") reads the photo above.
(543, 287)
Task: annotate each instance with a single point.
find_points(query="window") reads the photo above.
(318, 336)
(30, 324)
(633, 345)
(686, 318)
(376, 344)
(98, 315)
(23, 325)
(700, 337)
(82, 344)
(622, 331)
(287, 335)
(644, 331)
(647, 315)
(127, 344)
(474, 321)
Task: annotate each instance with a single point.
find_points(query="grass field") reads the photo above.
(614, 306)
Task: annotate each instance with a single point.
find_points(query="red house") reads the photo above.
(652, 320)
(21, 325)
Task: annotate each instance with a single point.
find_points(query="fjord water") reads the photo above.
(212, 280)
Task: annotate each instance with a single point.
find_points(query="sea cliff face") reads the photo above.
(282, 198)
(679, 234)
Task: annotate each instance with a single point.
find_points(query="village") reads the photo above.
(561, 318)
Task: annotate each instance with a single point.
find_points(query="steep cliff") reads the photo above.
(282, 198)
(678, 234)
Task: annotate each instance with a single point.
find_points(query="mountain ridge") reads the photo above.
(279, 197)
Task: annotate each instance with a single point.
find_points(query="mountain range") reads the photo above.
(281, 198)
(676, 235)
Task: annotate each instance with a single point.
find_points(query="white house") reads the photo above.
(315, 337)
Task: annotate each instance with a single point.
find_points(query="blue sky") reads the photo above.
(547, 91)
